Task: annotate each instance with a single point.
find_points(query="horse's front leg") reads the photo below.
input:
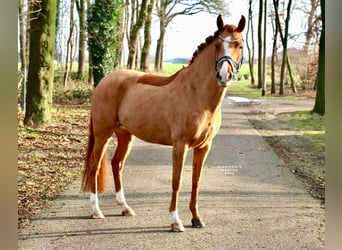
(200, 155)
(178, 158)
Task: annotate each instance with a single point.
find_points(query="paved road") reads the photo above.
(248, 200)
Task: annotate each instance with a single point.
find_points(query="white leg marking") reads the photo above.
(120, 199)
(94, 200)
(175, 217)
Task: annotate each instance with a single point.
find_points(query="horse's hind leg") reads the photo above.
(124, 139)
(99, 157)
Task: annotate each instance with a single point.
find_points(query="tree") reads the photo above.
(41, 69)
(263, 91)
(134, 32)
(310, 23)
(82, 13)
(23, 61)
(284, 39)
(161, 6)
(250, 50)
(103, 16)
(68, 58)
(274, 50)
(122, 25)
(145, 54)
(260, 44)
(319, 106)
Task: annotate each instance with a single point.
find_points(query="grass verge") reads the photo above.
(243, 88)
(311, 124)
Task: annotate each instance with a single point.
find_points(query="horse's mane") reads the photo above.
(156, 80)
(209, 40)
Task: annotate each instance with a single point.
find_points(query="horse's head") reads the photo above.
(228, 50)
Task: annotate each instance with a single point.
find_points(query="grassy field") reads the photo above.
(243, 88)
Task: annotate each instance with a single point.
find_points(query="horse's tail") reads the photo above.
(90, 170)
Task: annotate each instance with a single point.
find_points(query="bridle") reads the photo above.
(234, 64)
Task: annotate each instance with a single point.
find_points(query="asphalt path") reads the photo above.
(248, 200)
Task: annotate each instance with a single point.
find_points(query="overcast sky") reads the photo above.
(185, 33)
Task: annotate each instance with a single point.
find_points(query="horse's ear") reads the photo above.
(219, 22)
(241, 24)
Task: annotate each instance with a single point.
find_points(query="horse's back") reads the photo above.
(108, 94)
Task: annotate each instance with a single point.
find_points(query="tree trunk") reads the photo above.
(40, 74)
(23, 64)
(284, 43)
(133, 38)
(250, 50)
(289, 69)
(161, 11)
(263, 92)
(260, 44)
(309, 31)
(274, 53)
(120, 41)
(82, 37)
(145, 54)
(90, 64)
(158, 61)
(90, 72)
(319, 106)
(285, 59)
(68, 66)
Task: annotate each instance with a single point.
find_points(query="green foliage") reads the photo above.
(103, 17)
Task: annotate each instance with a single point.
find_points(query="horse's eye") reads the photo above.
(240, 47)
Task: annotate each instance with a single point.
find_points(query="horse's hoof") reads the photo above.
(97, 215)
(177, 227)
(198, 223)
(128, 212)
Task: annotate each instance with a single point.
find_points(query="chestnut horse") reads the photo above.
(182, 110)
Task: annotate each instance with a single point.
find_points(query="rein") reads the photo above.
(234, 64)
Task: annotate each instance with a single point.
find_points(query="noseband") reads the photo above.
(234, 64)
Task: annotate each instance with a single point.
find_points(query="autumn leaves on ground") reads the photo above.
(50, 158)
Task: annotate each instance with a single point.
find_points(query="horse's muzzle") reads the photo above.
(224, 81)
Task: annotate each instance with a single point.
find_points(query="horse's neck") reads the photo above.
(201, 76)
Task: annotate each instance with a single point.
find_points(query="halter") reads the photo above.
(234, 64)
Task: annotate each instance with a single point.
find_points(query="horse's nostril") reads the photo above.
(229, 76)
(218, 76)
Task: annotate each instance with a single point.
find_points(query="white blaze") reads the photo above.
(224, 74)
